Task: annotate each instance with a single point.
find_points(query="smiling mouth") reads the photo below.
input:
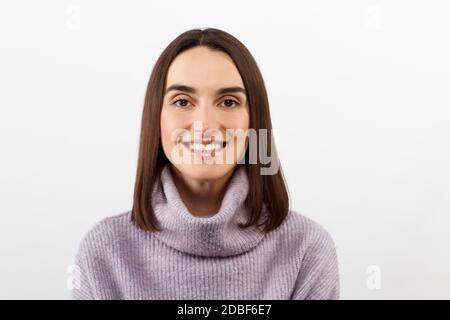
(205, 148)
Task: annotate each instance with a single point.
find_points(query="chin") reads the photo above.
(205, 171)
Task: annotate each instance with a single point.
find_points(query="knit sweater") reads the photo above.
(205, 257)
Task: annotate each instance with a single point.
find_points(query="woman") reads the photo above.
(210, 218)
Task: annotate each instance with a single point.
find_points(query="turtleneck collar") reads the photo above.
(217, 235)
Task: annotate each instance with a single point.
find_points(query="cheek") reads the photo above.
(169, 125)
(240, 120)
(165, 128)
(241, 124)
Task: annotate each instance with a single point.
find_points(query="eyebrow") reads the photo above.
(180, 87)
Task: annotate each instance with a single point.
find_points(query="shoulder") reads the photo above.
(106, 232)
(95, 257)
(305, 233)
(318, 273)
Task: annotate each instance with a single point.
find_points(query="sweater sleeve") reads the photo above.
(81, 286)
(318, 278)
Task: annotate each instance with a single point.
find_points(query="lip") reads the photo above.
(204, 153)
(205, 142)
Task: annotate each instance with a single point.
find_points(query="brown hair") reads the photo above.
(268, 189)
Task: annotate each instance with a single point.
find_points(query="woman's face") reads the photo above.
(210, 110)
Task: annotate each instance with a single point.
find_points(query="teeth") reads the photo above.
(207, 147)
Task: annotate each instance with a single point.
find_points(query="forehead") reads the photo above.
(204, 69)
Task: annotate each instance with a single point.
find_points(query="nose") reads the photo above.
(204, 118)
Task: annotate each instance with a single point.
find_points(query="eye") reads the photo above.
(183, 102)
(230, 103)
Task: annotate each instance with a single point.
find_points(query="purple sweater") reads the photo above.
(205, 257)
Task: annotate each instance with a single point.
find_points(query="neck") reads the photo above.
(202, 197)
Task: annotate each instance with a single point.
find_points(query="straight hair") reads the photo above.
(270, 190)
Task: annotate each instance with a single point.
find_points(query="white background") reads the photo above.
(359, 91)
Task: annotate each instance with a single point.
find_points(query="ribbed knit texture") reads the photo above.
(205, 257)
